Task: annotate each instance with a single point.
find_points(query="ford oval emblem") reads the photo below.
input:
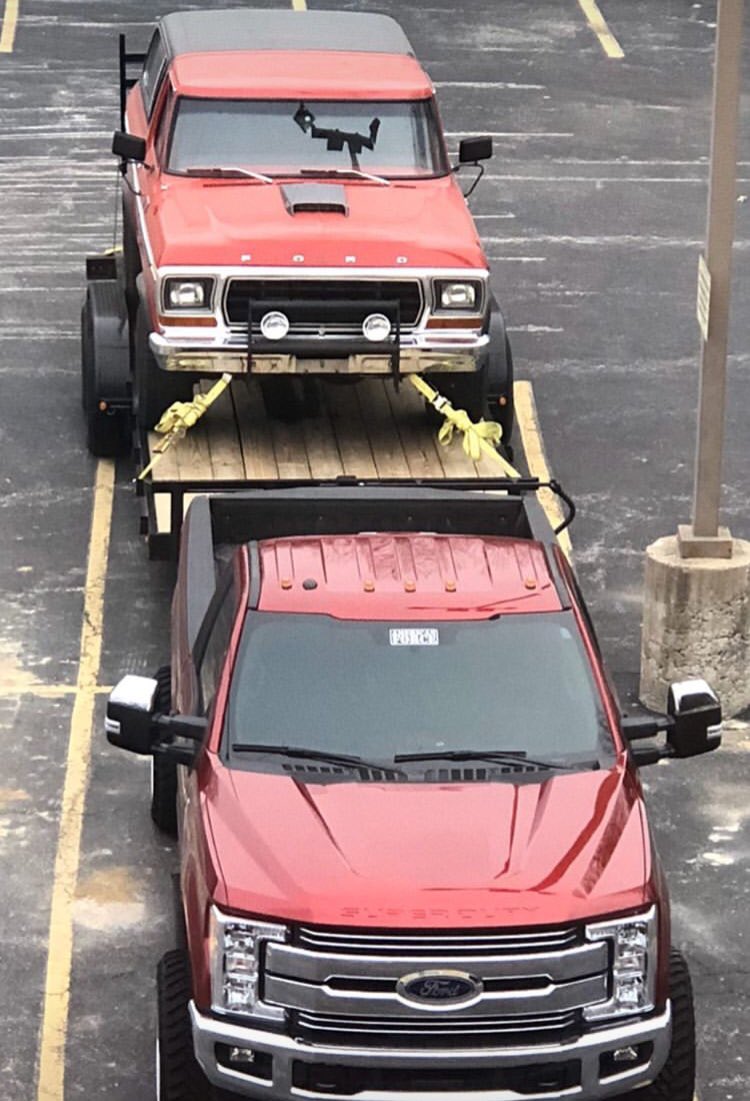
(439, 989)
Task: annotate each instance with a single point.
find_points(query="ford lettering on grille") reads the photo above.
(439, 989)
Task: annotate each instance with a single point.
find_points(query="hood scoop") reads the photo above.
(315, 198)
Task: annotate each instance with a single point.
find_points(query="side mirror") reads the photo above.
(696, 715)
(130, 714)
(128, 147)
(472, 150)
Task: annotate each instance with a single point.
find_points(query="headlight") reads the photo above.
(187, 294)
(457, 296)
(633, 962)
(237, 954)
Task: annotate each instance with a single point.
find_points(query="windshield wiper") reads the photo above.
(313, 755)
(344, 173)
(228, 174)
(502, 757)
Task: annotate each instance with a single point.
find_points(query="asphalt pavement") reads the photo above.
(593, 213)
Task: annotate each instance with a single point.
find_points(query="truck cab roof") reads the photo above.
(409, 576)
(248, 54)
(251, 29)
(320, 74)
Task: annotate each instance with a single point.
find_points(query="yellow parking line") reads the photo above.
(10, 19)
(598, 24)
(48, 691)
(536, 459)
(51, 1076)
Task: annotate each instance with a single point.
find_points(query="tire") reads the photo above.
(677, 1079)
(164, 770)
(154, 390)
(106, 432)
(467, 392)
(287, 398)
(178, 1075)
(503, 414)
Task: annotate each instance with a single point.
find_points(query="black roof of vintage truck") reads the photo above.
(241, 29)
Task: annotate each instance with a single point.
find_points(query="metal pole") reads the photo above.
(719, 238)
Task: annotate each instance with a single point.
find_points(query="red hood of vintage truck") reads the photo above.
(222, 223)
(429, 854)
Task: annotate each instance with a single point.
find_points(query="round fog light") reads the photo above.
(274, 325)
(376, 327)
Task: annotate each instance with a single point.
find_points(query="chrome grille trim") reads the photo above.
(449, 944)
(324, 999)
(374, 1032)
(301, 965)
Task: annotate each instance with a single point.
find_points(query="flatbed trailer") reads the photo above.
(367, 432)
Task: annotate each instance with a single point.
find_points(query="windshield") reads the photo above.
(395, 139)
(518, 683)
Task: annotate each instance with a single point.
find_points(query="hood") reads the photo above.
(221, 222)
(435, 855)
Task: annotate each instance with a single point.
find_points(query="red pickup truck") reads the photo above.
(415, 857)
(290, 210)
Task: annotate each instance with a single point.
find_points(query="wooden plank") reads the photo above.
(418, 434)
(351, 435)
(193, 456)
(289, 451)
(223, 440)
(385, 442)
(254, 431)
(167, 468)
(320, 444)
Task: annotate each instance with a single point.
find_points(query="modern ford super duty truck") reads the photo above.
(415, 856)
(290, 210)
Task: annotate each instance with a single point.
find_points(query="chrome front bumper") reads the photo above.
(418, 353)
(285, 1052)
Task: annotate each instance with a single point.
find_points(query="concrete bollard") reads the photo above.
(696, 622)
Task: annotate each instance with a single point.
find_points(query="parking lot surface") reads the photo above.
(593, 214)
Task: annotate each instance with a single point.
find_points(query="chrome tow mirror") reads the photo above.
(130, 713)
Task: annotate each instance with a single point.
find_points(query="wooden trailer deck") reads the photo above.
(367, 430)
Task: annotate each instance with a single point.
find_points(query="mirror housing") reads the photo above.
(128, 147)
(473, 150)
(130, 714)
(696, 718)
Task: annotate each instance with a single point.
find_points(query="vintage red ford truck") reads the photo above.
(415, 856)
(290, 210)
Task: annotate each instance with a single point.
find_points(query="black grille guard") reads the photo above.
(309, 347)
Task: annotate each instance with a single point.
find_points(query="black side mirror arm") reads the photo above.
(179, 737)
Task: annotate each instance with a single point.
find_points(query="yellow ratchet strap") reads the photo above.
(180, 418)
(480, 438)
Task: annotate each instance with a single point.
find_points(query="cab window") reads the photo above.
(211, 660)
(154, 68)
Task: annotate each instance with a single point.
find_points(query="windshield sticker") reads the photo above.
(414, 636)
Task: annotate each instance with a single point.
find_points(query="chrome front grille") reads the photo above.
(340, 987)
(416, 1032)
(388, 943)
(350, 302)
